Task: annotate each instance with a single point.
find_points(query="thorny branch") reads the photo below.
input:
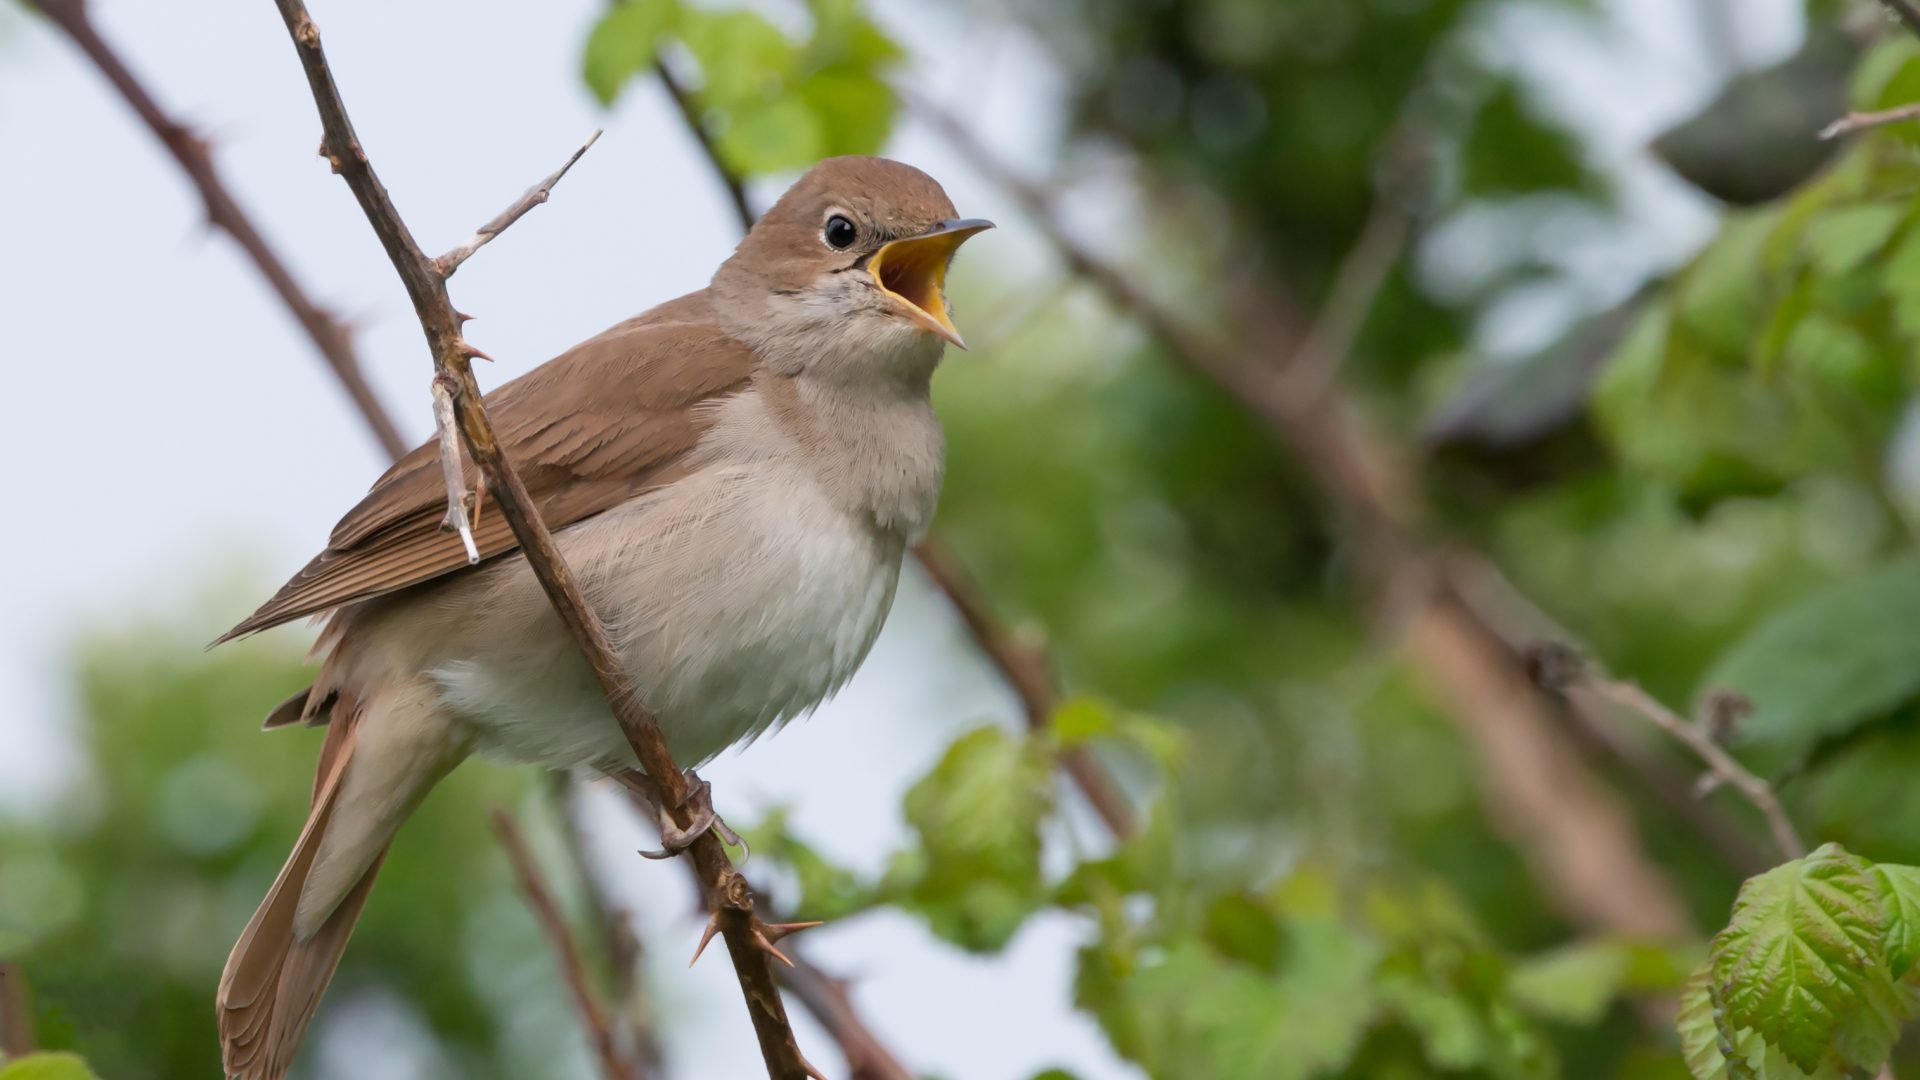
(425, 281)
(613, 1064)
(329, 335)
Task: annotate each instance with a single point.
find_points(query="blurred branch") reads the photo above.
(613, 1065)
(16, 1013)
(329, 335)
(533, 197)
(1860, 121)
(1024, 666)
(730, 898)
(690, 112)
(1575, 833)
(614, 928)
(1560, 669)
(1356, 285)
(1908, 11)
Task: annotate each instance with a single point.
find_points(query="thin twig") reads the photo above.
(613, 1064)
(533, 197)
(16, 1013)
(329, 335)
(1576, 834)
(1561, 669)
(453, 469)
(728, 892)
(1860, 121)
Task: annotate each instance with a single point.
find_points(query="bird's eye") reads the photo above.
(839, 232)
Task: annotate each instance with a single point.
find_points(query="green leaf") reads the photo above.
(1802, 960)
(624, 42)
(744, 59)
(47, 1067)
(1841, 239)
(1078, 720)
(827, 890)
(1573, 985)
(1900, 901)
(768, 137)
(1189, 1012)
(855, 109)
(1820, 667)
(978, 813)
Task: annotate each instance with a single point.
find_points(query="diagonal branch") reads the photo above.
(613, 1064)
(728, 893)
(329, 335)
(1575, 833)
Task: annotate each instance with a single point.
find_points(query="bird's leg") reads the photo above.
(673, 838)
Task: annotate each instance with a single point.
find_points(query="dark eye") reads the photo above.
(839, 232)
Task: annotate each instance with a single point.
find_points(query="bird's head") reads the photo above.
(855, 254)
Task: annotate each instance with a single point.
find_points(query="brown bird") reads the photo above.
(733, 476)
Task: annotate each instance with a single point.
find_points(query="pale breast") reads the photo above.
(740, 598)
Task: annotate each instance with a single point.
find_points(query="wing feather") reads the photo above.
(607, 420)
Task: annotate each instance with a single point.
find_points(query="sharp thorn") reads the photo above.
(777, 931)
(760, 941)
(713, 927)
(474, 352)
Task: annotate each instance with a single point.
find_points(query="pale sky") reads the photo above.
(178, 437)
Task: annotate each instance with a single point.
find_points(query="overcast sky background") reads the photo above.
(178, 439)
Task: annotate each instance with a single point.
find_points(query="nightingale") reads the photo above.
(733, 476)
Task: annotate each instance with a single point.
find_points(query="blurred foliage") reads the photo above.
(121, 900)
(1710, 481)
(771, 101)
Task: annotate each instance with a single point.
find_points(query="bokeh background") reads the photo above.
(1633, 351)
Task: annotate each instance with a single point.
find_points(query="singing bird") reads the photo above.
(733, 476)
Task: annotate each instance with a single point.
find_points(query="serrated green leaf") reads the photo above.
(1802, 955)
(47, 1066)
(1700, 1040)
(1900, 899)
(1818, 668)
(624, 42)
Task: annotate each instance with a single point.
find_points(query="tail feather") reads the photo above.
(273, 981)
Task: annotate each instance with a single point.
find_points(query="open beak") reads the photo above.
(913, 271)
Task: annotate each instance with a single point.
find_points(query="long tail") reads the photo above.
(289, 950)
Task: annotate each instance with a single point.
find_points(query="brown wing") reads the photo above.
(602, 422)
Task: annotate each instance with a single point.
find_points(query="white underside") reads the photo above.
(745, 601)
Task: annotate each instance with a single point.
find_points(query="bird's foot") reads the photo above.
(674, 838)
